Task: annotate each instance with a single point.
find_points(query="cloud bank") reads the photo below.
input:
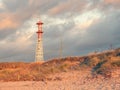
(80, 26)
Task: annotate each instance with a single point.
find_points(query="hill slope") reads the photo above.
(106, 64)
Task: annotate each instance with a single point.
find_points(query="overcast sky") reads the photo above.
(79, 26)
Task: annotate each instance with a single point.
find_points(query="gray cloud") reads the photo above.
(99, 36)
(21, 47)
(73, 6)
(14, 5)
(102, 34)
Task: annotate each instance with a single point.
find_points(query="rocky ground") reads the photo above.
(73, 80)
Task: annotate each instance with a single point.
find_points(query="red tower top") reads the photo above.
(39, 32)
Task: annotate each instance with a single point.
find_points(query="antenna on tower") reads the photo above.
(61, 47)
(111, 47)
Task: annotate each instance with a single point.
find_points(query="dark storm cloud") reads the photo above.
(52, 39)
(98, 36)
(101, 35)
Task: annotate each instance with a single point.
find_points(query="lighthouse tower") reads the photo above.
(39, 47)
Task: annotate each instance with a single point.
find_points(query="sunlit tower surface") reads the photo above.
(39, 47)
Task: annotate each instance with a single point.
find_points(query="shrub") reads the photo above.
(90, 62)
(116, 63)
(63, 67)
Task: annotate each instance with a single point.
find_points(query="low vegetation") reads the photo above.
(99, 64)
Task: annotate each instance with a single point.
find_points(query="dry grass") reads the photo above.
(99, 64)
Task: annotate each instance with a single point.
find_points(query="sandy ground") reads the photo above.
(74, 80)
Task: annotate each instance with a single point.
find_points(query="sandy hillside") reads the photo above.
(99, 71)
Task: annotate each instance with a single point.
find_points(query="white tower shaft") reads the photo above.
(39, 50)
